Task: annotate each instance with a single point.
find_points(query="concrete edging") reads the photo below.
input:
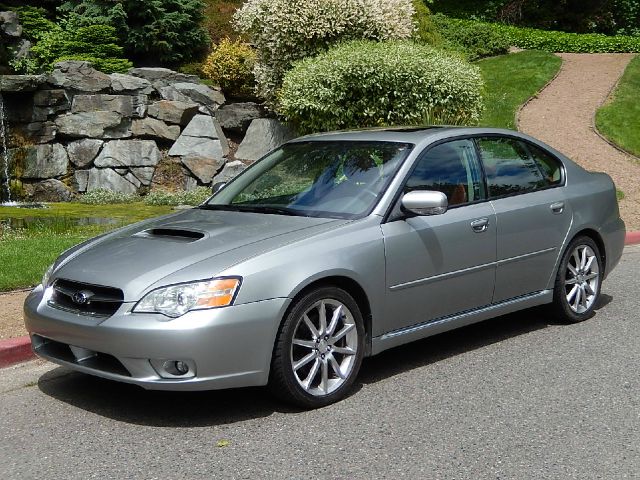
(17, 350)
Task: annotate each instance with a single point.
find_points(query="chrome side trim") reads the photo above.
(442, 276)
(526, 255)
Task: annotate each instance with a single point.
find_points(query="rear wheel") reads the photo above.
(319, 349)
(578, 281)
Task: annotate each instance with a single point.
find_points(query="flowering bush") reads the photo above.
(189, 197)
(230, 65)
(284, 31)
(366, 84)
(103, 196)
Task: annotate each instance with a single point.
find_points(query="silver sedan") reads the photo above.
(332, 248)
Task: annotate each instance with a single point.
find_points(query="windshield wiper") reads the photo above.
(255, 209)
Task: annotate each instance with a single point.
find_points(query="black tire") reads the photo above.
(572, 311)
(287, 383)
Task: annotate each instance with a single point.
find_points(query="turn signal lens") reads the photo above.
(219, 293)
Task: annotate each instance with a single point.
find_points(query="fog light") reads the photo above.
(176, 367)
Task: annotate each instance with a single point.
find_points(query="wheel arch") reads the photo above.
(597, 238)
(349, 285)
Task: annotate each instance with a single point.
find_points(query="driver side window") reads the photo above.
(451, 168)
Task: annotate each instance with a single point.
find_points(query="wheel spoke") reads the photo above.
(304, 343)
(583, 297)
(587, 267)
(576, 258)
(344, 350)
(324, 383)
(578, 299)
(570, 281)
(588, 289)
(323, 318)
(346, 329)
(591, 276)
(312, 328)
(573, 271)
(312, 374)
(303, 361)
(335, 367)
(583, 258)
(337, 313)
(571, 295)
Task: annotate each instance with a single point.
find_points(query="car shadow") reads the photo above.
(134, 405)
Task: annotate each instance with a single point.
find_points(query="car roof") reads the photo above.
(414, 135)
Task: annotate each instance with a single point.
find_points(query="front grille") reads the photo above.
(94, 360)
(85, 299)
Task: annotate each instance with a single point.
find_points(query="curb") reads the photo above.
(17, 350)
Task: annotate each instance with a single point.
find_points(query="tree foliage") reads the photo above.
(166, 32)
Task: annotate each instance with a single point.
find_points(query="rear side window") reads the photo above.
(549, 165)
(509, 167)
(451, 168)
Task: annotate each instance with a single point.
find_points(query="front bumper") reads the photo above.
(225, 347)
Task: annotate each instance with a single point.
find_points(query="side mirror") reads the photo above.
(216, 187)
(425, 202)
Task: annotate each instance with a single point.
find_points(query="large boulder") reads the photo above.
(229, 172)
(51, 190)
(79, 76)
(171, 111)
(203, 137)
(202, 168)
(38, 132)
(200, 94)
(94, 125)
(128, 84)
(161, 77)
(128, 153)
(109, 179)
(10, 24)
(81, 180)
(52, 101)
(83, 152)
(42, 161)
(143, 174)
(263, 135)
(154, 128)
(21, 83)
(125, 105)
(237, 117)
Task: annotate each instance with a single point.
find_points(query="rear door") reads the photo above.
(442, 264)
(533, 217)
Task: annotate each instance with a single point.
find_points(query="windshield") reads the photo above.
(333, 179)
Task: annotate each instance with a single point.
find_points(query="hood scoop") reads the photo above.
(172, 234)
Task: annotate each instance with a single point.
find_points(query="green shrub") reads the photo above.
(366, 84)
(192, 68)
(102, 196)
(551, 41)
(34, 22)
(426, 31)
(166, 31)
(284, 31)
(230, 65)
(191, 197)
(477, 40)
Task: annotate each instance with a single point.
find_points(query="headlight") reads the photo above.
(46, 277)
(176, 300)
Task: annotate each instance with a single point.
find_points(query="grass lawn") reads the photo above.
(619, 119)
(511, 80)
(27, 250)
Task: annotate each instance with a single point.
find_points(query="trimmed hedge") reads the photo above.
(552, 41)
(367, 84)
(475, 39)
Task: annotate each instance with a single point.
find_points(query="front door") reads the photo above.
(442, 264)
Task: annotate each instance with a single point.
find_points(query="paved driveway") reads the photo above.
(516, 397)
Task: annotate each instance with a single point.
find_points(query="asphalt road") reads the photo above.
(518, 397)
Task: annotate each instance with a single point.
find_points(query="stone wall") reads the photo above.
(78, 130)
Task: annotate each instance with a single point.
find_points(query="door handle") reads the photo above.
(480, 225)
(557, 207)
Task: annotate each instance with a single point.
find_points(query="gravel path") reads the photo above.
(11, 320)
(562, 116)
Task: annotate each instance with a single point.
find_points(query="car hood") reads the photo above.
(146, 254)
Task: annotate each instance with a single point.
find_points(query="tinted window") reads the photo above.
(548, 164)
(451, 168)
(508, 167)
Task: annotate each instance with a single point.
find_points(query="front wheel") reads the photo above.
(319, 349)
(577, 287)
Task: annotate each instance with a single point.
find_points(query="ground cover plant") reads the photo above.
(367, 84)
(510, 80)
(33, 238)
(619, 119)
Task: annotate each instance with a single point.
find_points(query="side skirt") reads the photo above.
(440, 325)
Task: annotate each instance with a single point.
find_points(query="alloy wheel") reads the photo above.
(582, 278)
